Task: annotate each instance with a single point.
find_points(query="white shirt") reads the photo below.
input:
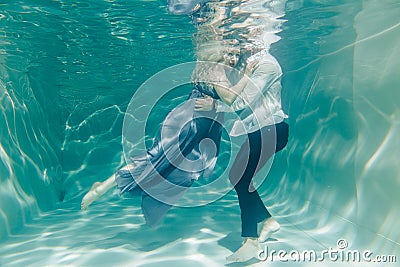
(260, 100)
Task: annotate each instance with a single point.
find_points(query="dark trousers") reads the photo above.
(252, 156)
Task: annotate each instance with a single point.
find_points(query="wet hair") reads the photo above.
(207, 53)
(211, 51)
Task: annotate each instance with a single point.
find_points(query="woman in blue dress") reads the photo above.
(161, 175)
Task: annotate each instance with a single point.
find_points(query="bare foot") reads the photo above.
(90, 196)
(269, 227)
(247, 251)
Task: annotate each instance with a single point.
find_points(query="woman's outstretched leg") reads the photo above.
(97, 190)
(100, 188)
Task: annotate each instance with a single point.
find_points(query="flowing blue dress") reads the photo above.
(185, 149)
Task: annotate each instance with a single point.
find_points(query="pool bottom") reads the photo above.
(111, 233)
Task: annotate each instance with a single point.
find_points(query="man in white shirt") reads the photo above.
(258, 103)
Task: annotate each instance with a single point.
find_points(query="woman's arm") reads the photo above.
(227, 92)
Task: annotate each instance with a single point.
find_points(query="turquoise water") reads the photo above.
(68, 70)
